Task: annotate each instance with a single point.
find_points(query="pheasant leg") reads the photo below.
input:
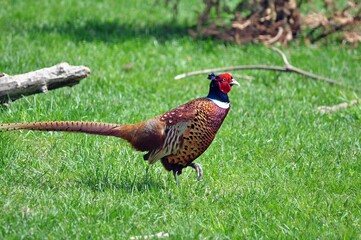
(198, 169)
(176, 176)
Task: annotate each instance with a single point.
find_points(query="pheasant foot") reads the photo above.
(198, 169)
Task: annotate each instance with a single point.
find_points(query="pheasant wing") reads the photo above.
(177, 121)
(172, 143)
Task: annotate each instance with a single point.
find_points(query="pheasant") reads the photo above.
(176, 138)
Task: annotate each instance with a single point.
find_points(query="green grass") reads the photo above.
(277, 168)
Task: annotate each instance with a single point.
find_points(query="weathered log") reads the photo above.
(40, 81)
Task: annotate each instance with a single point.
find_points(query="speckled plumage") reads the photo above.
(177, 137)
(202, 118)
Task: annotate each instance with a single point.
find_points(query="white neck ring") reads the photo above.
(224, 105)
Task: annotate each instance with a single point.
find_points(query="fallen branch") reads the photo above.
(331, 109)
(40, 81)
(286, 68)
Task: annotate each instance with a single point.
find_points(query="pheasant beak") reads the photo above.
(234, 82)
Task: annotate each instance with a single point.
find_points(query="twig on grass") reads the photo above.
(286, 68)
(331, 109)
(157, 235)
(290, 68)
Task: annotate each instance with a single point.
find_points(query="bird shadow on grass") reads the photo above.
(113, 31)
(129, 183)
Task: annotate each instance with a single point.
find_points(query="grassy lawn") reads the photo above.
(277, 168)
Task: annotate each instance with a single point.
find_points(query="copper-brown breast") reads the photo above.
(201, 129)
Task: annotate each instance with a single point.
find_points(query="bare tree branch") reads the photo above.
(286, 68)
(290, 68)
(331, 109)
(284, 58)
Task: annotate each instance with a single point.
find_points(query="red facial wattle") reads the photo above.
(224, 82)
(224, 87)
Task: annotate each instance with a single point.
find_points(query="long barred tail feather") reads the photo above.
(107, 129)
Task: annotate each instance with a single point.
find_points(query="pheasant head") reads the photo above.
(220, 86)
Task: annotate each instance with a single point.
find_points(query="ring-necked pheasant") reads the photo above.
(176, 137)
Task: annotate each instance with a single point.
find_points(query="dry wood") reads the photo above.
(276, 21)
(286, 68)
(331, 109)
(268, 21)
(333, 19)
(40, 81)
